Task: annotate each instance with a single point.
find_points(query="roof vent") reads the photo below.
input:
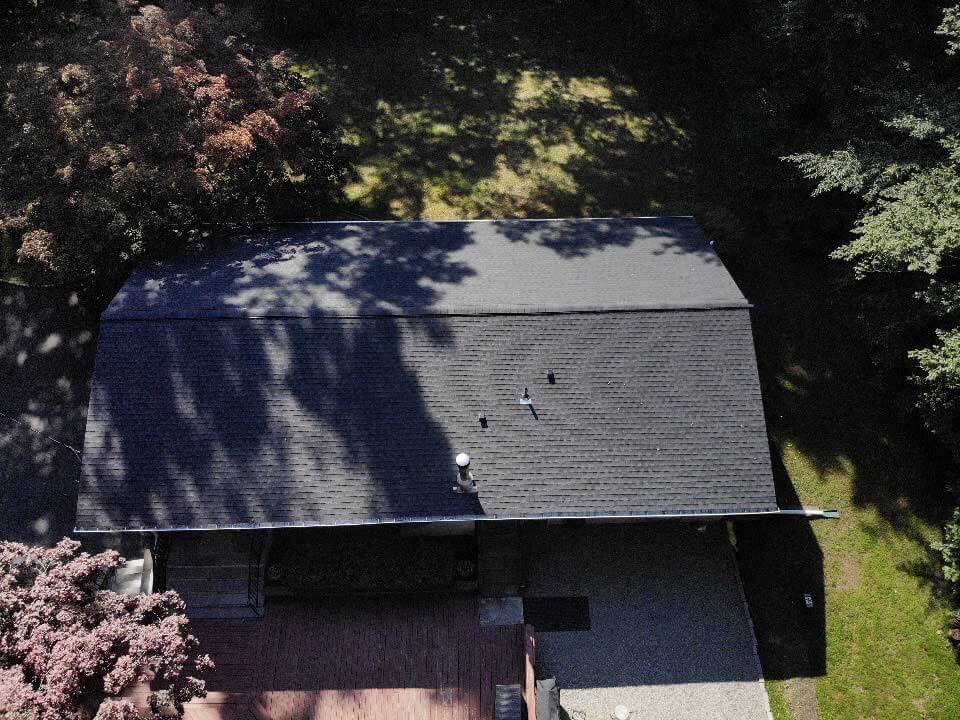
(551, 378)
(525, 398)
(466, 485)
(483, 420)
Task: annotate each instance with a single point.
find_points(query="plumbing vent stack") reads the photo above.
(465, 482)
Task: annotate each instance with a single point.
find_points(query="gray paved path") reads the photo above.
(670, 636)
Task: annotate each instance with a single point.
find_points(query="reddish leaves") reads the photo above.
(66, 645)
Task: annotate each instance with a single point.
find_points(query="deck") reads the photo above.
(370, 658)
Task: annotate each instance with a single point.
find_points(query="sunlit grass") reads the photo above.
(778, 701)
(548, 150)
(887, 656)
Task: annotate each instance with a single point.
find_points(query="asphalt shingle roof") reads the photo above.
(417, 268)
(340, 393)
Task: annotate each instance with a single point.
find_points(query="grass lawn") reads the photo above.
(456, 113)
(879, 649)
(886, 654)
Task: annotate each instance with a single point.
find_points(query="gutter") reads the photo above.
(810, 513)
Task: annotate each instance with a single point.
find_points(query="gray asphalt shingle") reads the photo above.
(417, 268)
(306, 413)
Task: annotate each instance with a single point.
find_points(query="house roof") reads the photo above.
(447, 268)
(329, 373)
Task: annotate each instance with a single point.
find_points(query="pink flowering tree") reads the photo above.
(69, 649)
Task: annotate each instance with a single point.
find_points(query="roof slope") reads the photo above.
(324, 412)
(417, 268)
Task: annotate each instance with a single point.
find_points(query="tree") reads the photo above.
(69, 648)
(131, 130)
(901, 157)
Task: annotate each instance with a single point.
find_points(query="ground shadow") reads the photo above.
(833, 368)
(540, 109)
(838, 408)
(781, 567)
(46, 358)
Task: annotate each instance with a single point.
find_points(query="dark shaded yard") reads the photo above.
(46, 359)
(840, 439)
(456, 110)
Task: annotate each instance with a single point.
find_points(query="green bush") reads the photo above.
(949, 550)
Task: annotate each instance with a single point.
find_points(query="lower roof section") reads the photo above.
(297, 422)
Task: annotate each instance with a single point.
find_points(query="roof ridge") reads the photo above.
(395, 221)
(243, 314)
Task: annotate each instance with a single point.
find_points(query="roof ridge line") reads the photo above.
(477, 220)
(121, 316)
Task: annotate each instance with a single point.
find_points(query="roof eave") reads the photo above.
(692, 515)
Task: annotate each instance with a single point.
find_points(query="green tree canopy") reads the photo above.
(902, 159)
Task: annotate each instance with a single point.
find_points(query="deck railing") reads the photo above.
(529, 671)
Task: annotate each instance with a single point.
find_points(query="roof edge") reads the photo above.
(427, 221)
(720, 513)
(466, 311)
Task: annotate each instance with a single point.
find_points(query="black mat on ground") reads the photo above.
(553, 614)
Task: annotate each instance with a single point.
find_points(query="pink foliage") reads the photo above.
(135, 128)
(67, 646)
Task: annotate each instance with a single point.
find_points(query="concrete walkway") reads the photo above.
(670, 635)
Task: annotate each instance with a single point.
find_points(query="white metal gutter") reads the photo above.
(814, 513)
(811, 513)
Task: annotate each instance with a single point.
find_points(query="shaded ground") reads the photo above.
(539, 109)
(840, 438)
(357, 560)
(46, 359)
(669, 637)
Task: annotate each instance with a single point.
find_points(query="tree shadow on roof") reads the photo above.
(187, 406)
(570, 241)
(312, 411)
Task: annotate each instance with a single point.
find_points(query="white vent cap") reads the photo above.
(463, 460)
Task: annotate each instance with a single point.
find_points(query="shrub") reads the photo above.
(68, 649)
(949, 550)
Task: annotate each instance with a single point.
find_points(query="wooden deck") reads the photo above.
(386, 658)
